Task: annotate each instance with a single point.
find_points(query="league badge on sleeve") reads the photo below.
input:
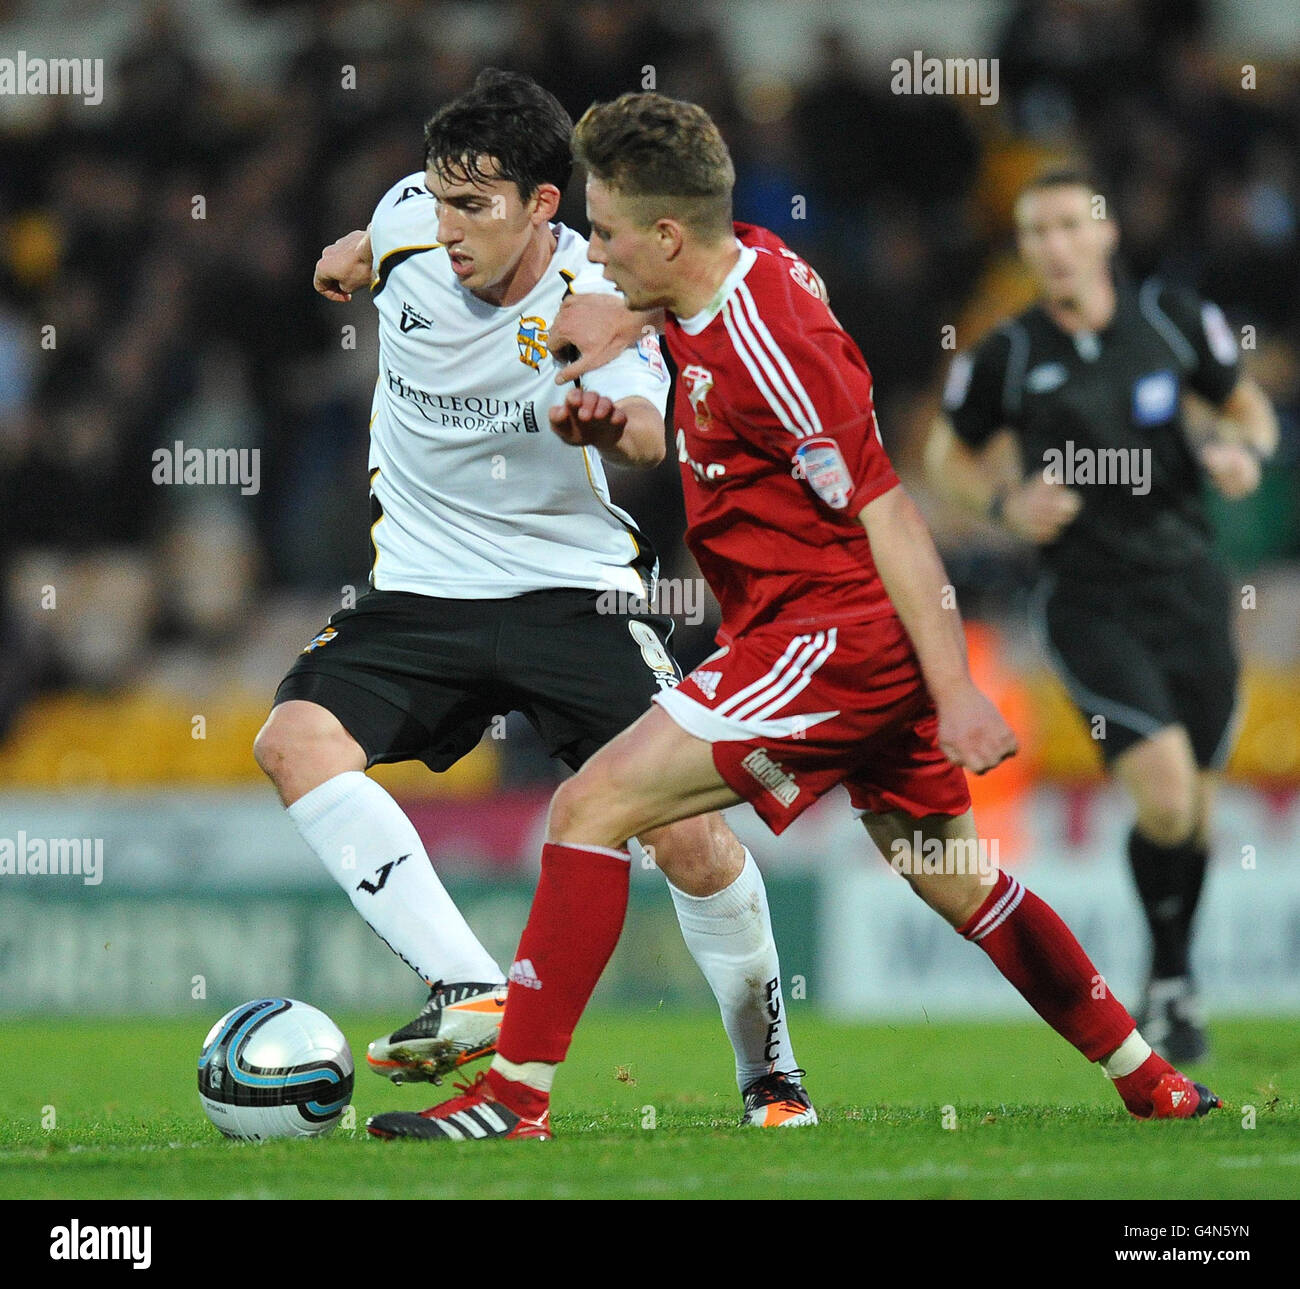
(323, 639)
(648, 351)
(1155, 398)
(821, 464)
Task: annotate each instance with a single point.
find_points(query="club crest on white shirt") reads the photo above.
(531, 338)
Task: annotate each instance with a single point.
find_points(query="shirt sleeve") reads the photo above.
(1217, 365)
(638, 371)
(404, 220)
(811, 400)
(974, 394)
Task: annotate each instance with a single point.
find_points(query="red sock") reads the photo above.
(1136, 1088)
(519, 1097)
(575, 922)
(1038, 953)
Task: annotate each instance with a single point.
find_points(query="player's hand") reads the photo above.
(591, 329)
(1233, 469)
(344, 266)
(972, 732)
(588, 417)
(1040, 511)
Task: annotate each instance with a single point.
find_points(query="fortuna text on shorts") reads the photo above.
(779, 782)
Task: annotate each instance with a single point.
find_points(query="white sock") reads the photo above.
(538, 1075)
(729, 935)
(1126, 1057)
(373, 851)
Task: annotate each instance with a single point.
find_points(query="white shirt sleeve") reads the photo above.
(405, 216)
(639, 370)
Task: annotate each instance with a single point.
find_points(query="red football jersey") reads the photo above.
(779, 447)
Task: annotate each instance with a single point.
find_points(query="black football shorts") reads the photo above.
(414, 677)
(1143, 654)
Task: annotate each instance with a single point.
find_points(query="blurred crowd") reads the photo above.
(167, 238)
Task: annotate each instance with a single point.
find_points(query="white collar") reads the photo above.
(698, 321)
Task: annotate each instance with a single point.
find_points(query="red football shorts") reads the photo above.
(792, 713)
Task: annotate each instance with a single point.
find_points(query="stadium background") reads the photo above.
(143, 628)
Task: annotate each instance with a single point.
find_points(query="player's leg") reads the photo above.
(1207, 791)
(322, 733)
(588, 676)
(722, 909)
(686, 756)
(366, 842)
(1115, 657)
(1168, 854)
(1037, 953)
(1186, 626)
(1160, 775)
(652, 774)
(301, 746)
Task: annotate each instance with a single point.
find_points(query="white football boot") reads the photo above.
(457, 1025)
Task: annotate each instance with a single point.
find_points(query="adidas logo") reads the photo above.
(1176, 1098)
(522, 973)
(707, 682)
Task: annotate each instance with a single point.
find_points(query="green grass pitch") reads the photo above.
(1032, 1120)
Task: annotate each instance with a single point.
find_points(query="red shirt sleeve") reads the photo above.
(810, 390)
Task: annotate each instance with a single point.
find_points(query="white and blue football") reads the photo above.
(275, 1067)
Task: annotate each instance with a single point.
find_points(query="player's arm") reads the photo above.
(972, 732)
(344, 266)
(628, 432)
(970, 478)
(1244, 430)
(987, 481)
(972, 459)
(1245, 434)
(592, 328)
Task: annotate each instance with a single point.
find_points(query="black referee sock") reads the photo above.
(1169, 881)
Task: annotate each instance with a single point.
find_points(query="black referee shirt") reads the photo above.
(1101, 411)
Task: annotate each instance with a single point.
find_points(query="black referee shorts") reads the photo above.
(1147, 653)
(414, 677)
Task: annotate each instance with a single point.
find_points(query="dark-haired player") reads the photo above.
(494, 540)
(841, 660)
(1087, 386)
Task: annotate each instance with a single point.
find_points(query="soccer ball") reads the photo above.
(275, 1067)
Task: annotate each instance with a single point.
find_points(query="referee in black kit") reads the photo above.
(1066, 426)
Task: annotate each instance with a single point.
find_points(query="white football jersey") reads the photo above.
(474, 496)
